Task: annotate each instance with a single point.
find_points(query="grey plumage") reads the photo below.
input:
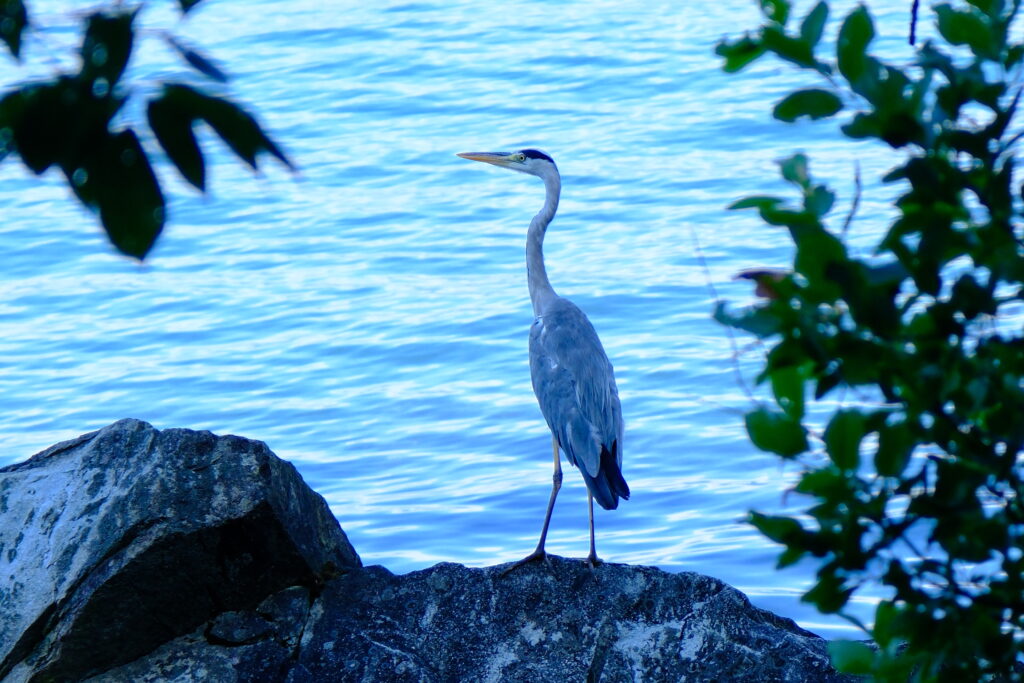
(575, 387)
(572, 376)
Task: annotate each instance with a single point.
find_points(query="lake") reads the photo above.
(368, 317)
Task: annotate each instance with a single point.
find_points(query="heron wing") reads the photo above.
(575, 386)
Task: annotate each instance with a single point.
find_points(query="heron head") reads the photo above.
(530, 161)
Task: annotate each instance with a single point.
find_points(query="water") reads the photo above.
(368, 318)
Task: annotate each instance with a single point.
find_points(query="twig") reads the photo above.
(913, 22)
(732, 338)
(856, 198)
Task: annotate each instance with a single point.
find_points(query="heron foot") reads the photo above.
(593, 561)
(538, 554)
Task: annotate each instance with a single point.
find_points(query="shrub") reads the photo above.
(920, 488)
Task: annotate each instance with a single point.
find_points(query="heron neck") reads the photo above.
(541, 291)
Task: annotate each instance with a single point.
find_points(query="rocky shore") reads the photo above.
(132, 554)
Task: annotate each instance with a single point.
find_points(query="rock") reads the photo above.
(560, 622)
(121, 540)
(137, 555)
(557, 622)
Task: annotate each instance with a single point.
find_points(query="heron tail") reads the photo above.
(609, 485)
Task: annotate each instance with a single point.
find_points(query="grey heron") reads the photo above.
(572, 376)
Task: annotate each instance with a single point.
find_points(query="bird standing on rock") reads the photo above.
(572, 376)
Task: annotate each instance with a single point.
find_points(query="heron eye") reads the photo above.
(520, 157)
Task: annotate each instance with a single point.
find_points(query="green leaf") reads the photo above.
(819, 257)
(854, 64)
(814, 23)
(795, 50)
(863, 126)
(13, 22)
(755, 202)
(829, 595)
(173, 130)
(827, 483)
(843, 435)
(776, 10)
(794, 169)
(813, 102)
(1013, 56)
(774, 431)
(739, 53)
(886, 623)
(966, 27)
(826, 383)
(788, 388)
(851, 657)
(819, 200)
(760, 321)
(986, 6)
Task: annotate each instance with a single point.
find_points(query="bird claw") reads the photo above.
(532, 557)
(593, 561)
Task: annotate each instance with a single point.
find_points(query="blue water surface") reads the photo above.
(367, 317)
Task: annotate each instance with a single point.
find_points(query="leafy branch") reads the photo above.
(71, 122)
(920, 489)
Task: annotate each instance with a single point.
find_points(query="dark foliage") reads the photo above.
(920, 489)
(71, 122)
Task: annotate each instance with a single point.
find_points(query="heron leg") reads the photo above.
(592, 559)
(556, 484)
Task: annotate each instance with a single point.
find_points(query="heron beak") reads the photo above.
(497, 158)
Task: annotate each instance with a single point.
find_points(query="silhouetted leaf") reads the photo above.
(233, 124)
(117, 181)
(42, 121)
(106, 48)
(774, 431)
(173, 130)
(56, 122)
(814, 102)
(196, 60)
(13, 21)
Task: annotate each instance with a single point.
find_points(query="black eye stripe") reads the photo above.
(536, 154)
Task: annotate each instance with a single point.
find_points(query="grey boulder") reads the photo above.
(118, 541)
